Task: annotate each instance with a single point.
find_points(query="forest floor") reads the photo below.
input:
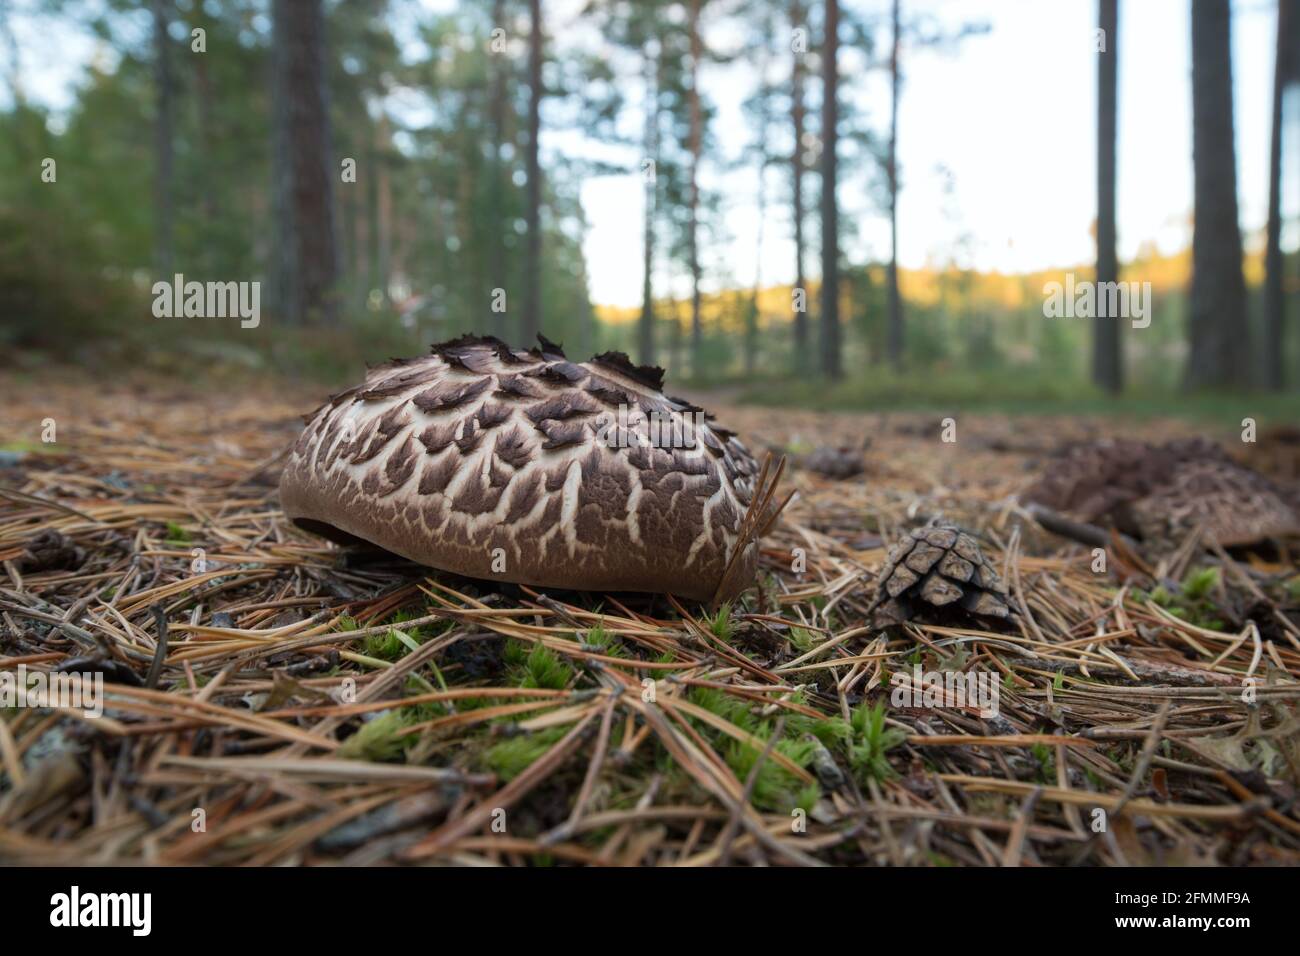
(274, 700)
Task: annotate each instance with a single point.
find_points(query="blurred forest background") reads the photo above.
(397, 172)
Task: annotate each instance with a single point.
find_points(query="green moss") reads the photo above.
(380, 740)
(27, 447)
(1193, 602)
(720, 623)
(1160, 595)
(775, 788)
(870, 742)
(386, 646)
(603, 642)
(729, 708)
(510, 757)
(1046, 762)
(398, 641)
(666, 657)
(424, 631)
(542, 668)
(803, 639)
(515, 653)
(176, 534)
(1293, 589)
(1198, 584)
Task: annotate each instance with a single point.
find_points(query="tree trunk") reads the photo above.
(163, 149)
(1286, 68)
(305, 171)
(371, 220)
(830, 346)
(496, 226)
(894, 337)
(646, 324)
(752, 312)
(205, 98)
(533, 256)
(675, 337)
(1220, 332)
(384, 209)
(15, 64)
(1107, 358)
(693, 249)
(797, 113)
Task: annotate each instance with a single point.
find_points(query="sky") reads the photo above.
(1011, 119)
(997, 141)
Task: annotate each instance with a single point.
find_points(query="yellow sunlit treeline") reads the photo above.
(989, 292)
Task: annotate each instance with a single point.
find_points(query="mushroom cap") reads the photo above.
(525, 467)
(1163, 493)
(1232, 505)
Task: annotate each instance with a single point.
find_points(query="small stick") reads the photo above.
(1079, 531)
(160, 651)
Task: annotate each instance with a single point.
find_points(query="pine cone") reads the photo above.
(937, 574)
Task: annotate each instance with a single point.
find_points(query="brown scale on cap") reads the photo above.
(477, 446)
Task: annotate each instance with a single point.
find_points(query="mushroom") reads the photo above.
(525, 467)
(1163, 494)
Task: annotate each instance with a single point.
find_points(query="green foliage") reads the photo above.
(1046, 762)
(731, 709)
(720, 623)
(176, 534)
(1199, 583)
(386, 646)
(435, 221)
(398, 641)
(542, 667)
(803, 639)
(603, 642)
(379, 739)
(870, 742)
(1193, 602)
(77, 257)
(1293, 590)
(775, 787)
(515, 653)
(510, 757)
